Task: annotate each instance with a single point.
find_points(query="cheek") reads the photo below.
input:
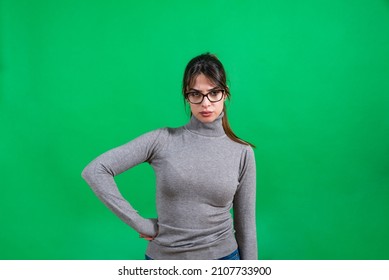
(193, 108)
(220, 106)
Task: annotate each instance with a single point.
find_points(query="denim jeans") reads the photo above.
(233, 256)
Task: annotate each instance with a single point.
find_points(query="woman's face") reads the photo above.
(206, 111)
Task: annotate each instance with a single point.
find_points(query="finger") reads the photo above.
(149, 238)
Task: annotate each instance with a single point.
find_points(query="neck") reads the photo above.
(212, 129)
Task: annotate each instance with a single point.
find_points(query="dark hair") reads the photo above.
(209, 65)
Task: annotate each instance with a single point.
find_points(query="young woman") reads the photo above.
(202, 171)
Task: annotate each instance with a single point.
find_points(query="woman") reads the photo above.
(202, 169)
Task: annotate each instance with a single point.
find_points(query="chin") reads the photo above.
(205, 120)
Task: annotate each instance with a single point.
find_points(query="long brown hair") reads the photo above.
(209, 65)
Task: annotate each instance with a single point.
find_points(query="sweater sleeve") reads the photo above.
(100, 172)
(244, 207)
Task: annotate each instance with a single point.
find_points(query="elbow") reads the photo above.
(86, 173)
(95, 169)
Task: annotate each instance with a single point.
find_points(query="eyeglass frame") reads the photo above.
(205, 95)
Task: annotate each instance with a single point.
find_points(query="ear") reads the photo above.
(225, 95)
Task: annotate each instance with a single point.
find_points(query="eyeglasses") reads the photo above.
(213, 96)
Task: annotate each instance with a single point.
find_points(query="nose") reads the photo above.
(205, 103)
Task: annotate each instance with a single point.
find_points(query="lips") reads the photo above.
(206, 113)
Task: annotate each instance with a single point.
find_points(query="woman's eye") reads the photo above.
(195, 94)
(214, 92)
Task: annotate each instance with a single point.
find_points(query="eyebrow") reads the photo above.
(193, 89)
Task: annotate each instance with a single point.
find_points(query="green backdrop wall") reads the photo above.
(310, 87)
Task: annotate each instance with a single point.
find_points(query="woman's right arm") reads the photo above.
(100, 172)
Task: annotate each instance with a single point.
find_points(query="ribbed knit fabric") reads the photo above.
(201, 174)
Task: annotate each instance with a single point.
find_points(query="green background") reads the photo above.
(310, 87)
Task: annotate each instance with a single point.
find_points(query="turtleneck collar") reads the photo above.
(212, 129)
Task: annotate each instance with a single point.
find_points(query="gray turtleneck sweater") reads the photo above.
(201, 174)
